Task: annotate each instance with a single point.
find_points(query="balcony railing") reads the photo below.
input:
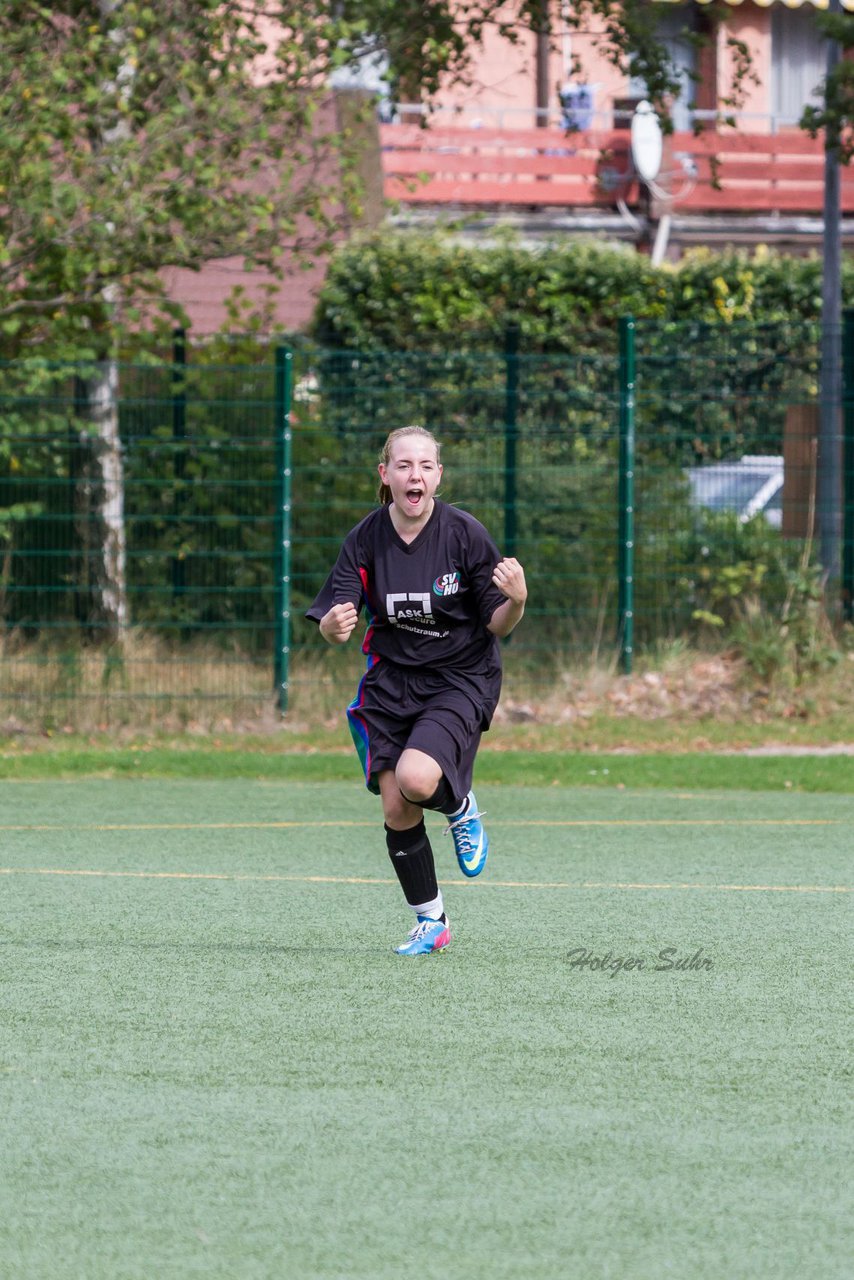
(724, 170)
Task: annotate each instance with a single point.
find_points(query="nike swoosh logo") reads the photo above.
(471, 862)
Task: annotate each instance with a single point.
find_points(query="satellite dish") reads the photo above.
(646, 142)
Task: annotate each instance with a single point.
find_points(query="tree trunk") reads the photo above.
(101, 495)
(100, 505)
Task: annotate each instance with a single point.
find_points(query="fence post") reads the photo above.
(511, 402)
(626, 495)
(282, 547)
(179, 432)
(848, 465)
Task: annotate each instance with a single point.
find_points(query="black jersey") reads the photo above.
(427, 602)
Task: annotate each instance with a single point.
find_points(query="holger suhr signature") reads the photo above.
(668, 960)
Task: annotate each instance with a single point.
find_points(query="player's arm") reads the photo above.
(336, 608)
(509, 577)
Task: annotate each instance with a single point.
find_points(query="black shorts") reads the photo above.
(399, 707)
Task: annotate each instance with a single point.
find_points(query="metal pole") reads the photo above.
(848, 467)
(626, 496)
(511, 435)
(282, 543)
(829, 511)
(543, 88)
(179, 432)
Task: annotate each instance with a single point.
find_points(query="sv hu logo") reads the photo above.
(447, 584)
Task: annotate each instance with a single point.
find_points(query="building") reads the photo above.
(533, 143)
(537, 144)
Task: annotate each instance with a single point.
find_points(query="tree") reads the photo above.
(135, 137)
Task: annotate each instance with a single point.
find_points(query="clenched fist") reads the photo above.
(509, 577)
(337, 625)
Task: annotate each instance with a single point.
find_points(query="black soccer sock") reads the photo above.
(412, 858)
(442, 799)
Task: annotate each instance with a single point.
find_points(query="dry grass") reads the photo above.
(145, 683)
(149, 685)
(679, 697)
(151, 688)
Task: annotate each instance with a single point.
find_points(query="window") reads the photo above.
(798, 60)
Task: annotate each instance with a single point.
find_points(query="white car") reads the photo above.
(752, 485)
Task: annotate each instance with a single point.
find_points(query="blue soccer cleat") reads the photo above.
(470, 840)
(427, 936)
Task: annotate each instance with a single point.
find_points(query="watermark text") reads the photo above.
(668, 960)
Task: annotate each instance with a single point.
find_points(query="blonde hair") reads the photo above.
(384, 492)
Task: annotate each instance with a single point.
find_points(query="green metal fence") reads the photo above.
(649, 491)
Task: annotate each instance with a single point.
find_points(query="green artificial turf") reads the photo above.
(212, 1065)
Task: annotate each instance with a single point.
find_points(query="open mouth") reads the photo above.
(414, 496)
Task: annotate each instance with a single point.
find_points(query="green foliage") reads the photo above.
(201, 494)
(133, 140)
(717, 336)
(200, 501)
(32, 462)
(761, 592)
(417, 293)
(729, 286)
(401, 292)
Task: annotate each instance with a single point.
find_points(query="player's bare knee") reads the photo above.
(413, 791)
(416, 778)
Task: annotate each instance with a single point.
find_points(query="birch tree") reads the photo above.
(139, 136)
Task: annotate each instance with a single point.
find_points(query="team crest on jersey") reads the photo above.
(447, 584)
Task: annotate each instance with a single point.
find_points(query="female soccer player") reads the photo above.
(437, 596)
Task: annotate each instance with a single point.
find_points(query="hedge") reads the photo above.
(416, 292)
